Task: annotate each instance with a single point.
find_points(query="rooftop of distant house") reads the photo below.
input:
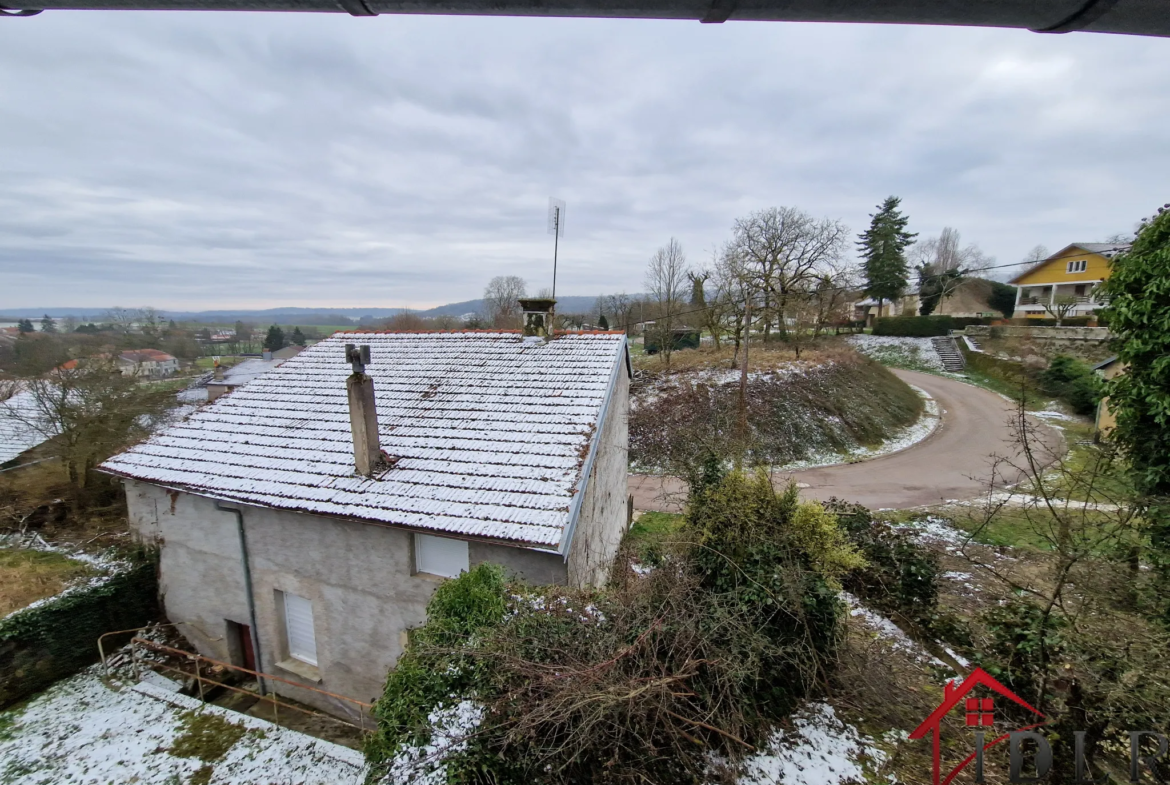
(145, 356)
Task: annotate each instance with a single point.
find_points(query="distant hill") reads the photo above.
(294, 315)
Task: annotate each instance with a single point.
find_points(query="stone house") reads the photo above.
(305, 519)
(151, 363)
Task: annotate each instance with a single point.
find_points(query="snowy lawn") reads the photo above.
(81, 731)
(917, 354)
(48, 571)
(821, 749)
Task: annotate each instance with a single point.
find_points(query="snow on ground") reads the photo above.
(1052, 414)
(451, 729)
(820, 750)
(901, 440)
(81, 731)
(106, 564)
(937, 531)
(889, 632)
(897, 350)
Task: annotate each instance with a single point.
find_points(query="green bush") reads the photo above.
(900, 577)
(923, 326)
(1073, 381)
(642, 681)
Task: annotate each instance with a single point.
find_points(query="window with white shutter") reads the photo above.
(298, 622)
(440, 555)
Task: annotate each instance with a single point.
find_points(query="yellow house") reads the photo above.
(1065, 282)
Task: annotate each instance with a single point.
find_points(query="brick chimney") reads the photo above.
(363, 414)
(539, 314)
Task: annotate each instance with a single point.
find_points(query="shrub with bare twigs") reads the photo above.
(640, 682)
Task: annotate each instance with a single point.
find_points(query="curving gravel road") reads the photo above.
(952, 463)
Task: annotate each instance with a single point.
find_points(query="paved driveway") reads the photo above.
(952, 463)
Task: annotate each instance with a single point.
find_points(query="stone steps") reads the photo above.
(949, 353)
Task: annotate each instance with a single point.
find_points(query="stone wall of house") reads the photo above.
(359, 578)
(604, 512)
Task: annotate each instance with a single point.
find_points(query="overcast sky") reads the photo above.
(196, 161)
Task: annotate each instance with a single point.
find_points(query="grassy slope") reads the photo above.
(27, 576)
(829, 403)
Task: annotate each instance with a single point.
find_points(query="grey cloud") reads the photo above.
(203, 160)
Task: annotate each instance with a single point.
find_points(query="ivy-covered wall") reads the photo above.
(51, 641)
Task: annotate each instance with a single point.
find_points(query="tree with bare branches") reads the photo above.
(780, 250)
(502, 300)
(666, 282)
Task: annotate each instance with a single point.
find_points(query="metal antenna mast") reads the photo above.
(556, 227)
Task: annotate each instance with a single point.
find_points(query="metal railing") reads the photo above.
(198, 660)
(1080, 299)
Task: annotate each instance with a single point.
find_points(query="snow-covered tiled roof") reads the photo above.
(23, 425)
(491, 433)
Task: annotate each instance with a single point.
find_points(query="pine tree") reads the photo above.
(274, 341)
(298, 337)
(883, 247)
(25, 326)
(602, 322)
(48, 325)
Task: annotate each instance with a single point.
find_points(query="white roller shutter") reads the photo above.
(298, 619)
(440, 555)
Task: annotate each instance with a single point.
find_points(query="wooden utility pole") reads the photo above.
(743, 374)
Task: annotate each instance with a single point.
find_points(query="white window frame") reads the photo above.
(445, 557)
(294, 628)
(1077, 266)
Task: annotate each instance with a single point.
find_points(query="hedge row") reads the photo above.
(40, 645)
(923, 326)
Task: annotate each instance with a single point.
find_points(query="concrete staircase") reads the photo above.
(952, 358)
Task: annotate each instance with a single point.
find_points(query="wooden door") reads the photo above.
(246, 646)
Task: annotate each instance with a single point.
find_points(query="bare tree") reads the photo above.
(1038, 253)
(943, 265)
(666, 282)
(732, 292)
(1060, 307)
(780, 250)
(88, 411)
(501, 299)
(620, 307)
(406, 322)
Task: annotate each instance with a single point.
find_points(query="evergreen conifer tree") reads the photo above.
(298, 337)
(883, 248)
(274, 341)
(25, 326)
(48, 325)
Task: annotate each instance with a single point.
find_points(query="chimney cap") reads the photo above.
(358, 356)
(537, 304)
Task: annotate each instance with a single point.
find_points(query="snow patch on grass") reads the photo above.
(901, 352)
(82, 731)
(905, 438)
(451, 730)
(889, 632)
(821, 749)
(107, 565)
